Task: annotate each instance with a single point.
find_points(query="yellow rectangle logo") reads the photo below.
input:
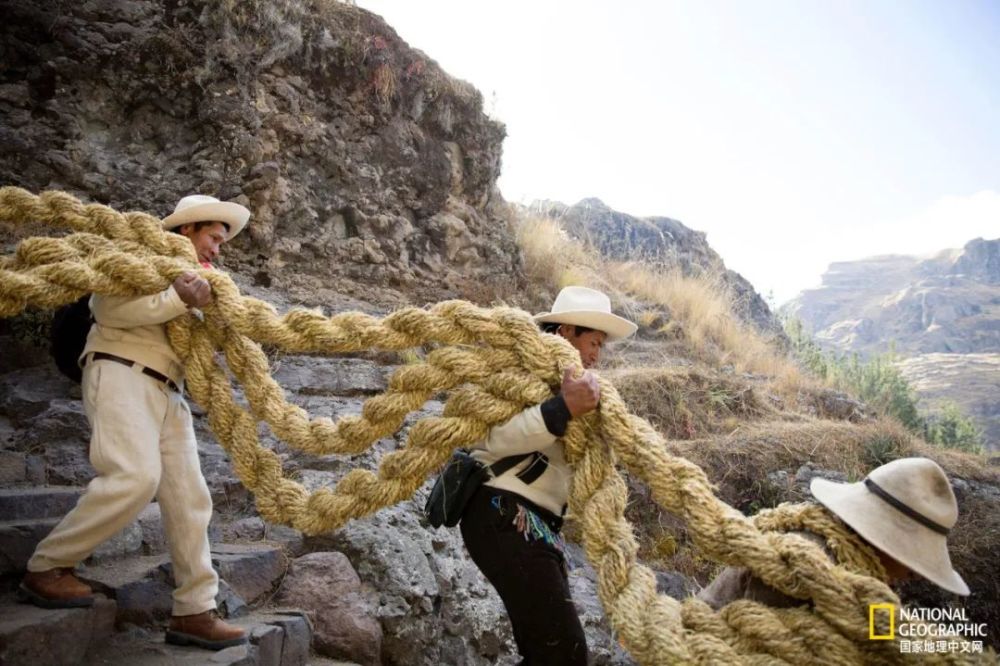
(871, 622)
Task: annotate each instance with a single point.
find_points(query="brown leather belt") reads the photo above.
(101, 356)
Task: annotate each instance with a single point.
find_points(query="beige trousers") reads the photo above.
(142, 445)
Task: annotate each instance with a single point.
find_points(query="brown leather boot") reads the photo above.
(55, 588)
(205, 630)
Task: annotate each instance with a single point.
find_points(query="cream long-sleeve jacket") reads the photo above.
(528, 431)
(134, 328)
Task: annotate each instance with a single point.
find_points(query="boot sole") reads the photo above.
(27, 595)
(180, 638)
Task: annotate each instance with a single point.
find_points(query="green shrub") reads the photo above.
(879, 384)
(879, 450)
(952, 429)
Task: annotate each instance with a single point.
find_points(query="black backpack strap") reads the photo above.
(539, 463)
(504, 464)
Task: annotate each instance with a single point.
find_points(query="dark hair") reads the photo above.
(200, 225)
(553, 327)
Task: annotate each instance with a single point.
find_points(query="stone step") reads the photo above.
(37, 502)
(277, 638)
(18, 539)
(17, 467)
(143, 585)
(252, 570)
(31, 635)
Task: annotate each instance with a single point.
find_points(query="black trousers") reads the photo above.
(529, 575)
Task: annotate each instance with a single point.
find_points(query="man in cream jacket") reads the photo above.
(143, 443)
(511, 525)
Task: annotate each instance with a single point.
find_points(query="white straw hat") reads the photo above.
(203, 208)
(581, 306)
(905, 509)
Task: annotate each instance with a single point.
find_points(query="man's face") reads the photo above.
(896, 570)
(206, 238)
(589, 344)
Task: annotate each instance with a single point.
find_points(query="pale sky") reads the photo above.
(793, 132)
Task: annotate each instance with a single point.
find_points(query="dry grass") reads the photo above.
(384, 83)
(700, 308)
(755, 449)
(551, 258)
(703, 307)
(685, 402)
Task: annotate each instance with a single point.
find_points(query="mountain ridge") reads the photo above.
(663, 243)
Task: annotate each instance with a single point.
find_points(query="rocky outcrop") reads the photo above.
(979, 261)
(660, 242)
(369, 171)
(941, 313)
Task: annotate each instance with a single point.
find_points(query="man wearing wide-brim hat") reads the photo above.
(511, 525)
(902, 511)
(143, 443)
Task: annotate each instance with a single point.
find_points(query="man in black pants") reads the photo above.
(511, 525)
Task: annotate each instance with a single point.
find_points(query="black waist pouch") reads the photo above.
(463, 475)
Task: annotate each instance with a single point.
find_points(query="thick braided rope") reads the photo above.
(502, 363)
(848, 548)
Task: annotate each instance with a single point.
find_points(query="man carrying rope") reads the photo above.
(902, 512)
(511, 525)
(143, 443)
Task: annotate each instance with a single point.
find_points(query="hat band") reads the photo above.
(905, 510)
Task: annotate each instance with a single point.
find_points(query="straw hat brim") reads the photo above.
(233, 214)
(616, 327)
(905, 540)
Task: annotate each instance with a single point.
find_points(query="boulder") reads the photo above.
(327, 587)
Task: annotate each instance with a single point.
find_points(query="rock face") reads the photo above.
(363, 163)
(660, 242)
(941, 313)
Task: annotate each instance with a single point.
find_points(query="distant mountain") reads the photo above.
(662, 242)
(949, 303)
(941, 313)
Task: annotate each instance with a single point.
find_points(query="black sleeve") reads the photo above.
(556, 415)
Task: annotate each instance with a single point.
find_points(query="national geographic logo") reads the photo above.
(880, 609)
(926, 629)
